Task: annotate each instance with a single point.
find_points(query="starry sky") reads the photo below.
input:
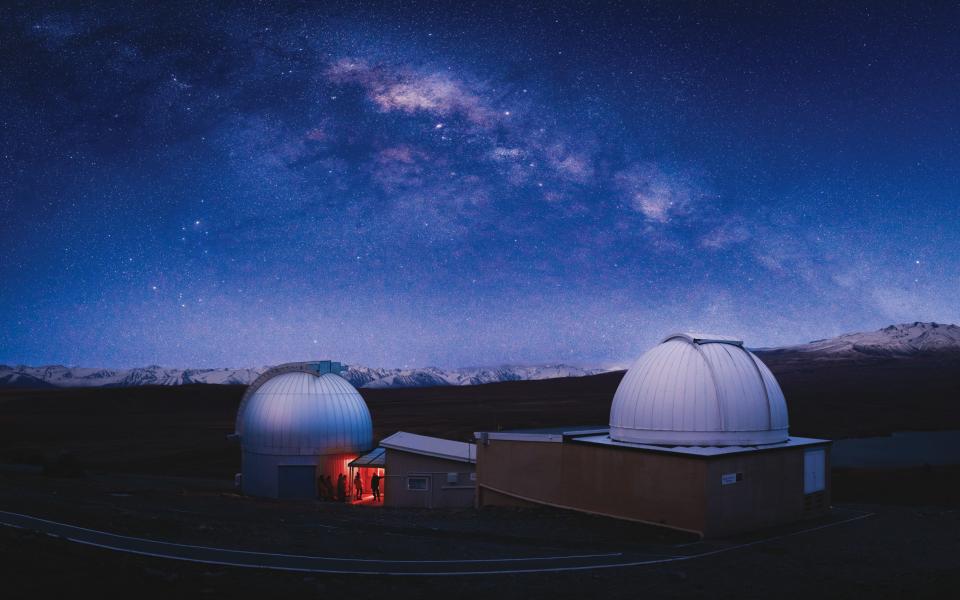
(469, 183)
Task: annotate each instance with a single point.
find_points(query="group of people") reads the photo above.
(327, 492)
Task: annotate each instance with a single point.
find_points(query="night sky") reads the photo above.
(469, 183)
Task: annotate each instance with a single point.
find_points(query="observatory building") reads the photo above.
(697, 440)
(296, 423)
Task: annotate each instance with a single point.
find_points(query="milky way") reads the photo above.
(461, 184)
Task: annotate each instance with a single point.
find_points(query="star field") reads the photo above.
(410, 184)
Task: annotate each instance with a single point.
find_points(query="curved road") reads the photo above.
(359, 566)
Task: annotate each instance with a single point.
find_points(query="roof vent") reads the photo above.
(327, 366)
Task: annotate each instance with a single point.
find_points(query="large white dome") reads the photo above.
(699, 390)
(304, 413)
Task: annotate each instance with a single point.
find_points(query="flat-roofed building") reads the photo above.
(428, 472)
(697, 440)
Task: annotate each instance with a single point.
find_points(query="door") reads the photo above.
(297, 481)
(814, 468)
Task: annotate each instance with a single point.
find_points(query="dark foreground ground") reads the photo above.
(898, 551)
(155, 462)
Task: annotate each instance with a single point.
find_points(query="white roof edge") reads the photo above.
(705, 451)
(704, 338)
(520, 437)
(431, 446)
(581, 432)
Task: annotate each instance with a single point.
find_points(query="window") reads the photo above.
(418, 484)
(453, 478)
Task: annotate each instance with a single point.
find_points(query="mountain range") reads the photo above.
(895, 341)
(61, 376)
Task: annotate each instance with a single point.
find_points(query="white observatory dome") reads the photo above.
(699, 390)
(304, 413)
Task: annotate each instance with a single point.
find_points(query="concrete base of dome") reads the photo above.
(698, 438)
(290, 476)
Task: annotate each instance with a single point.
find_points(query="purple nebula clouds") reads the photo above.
(387, 185)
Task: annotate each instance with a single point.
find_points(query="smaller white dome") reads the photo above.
(699, 390)
(305, 413)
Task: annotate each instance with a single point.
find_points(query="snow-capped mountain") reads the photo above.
(359, 376)
(61, 376)
(906, 339)
(431, 376)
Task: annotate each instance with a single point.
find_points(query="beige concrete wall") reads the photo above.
(642, 486)
(399, 465)
(638, 486)
(526, 469)
(488, 497)
(770, 492)
(667, 489)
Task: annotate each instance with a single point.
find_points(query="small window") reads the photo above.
(418, 484)
(453, 478)
(473, 476)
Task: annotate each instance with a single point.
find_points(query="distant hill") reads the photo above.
(895, 341)
(906, 340)
(16, 379)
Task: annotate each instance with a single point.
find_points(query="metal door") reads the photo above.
(814, 467)
(297, 481)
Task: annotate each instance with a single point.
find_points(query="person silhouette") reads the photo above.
(328, 488)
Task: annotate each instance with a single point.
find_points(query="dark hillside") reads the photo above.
(182, 430)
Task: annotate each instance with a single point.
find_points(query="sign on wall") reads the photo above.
(731, 478)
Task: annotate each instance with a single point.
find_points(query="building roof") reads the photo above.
(542, 434)
(700, 451)
(431, 446)
(566, 429)
(699, 390)
(374, 458)
(304, 412)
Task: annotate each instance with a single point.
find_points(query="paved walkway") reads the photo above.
(358, 566)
